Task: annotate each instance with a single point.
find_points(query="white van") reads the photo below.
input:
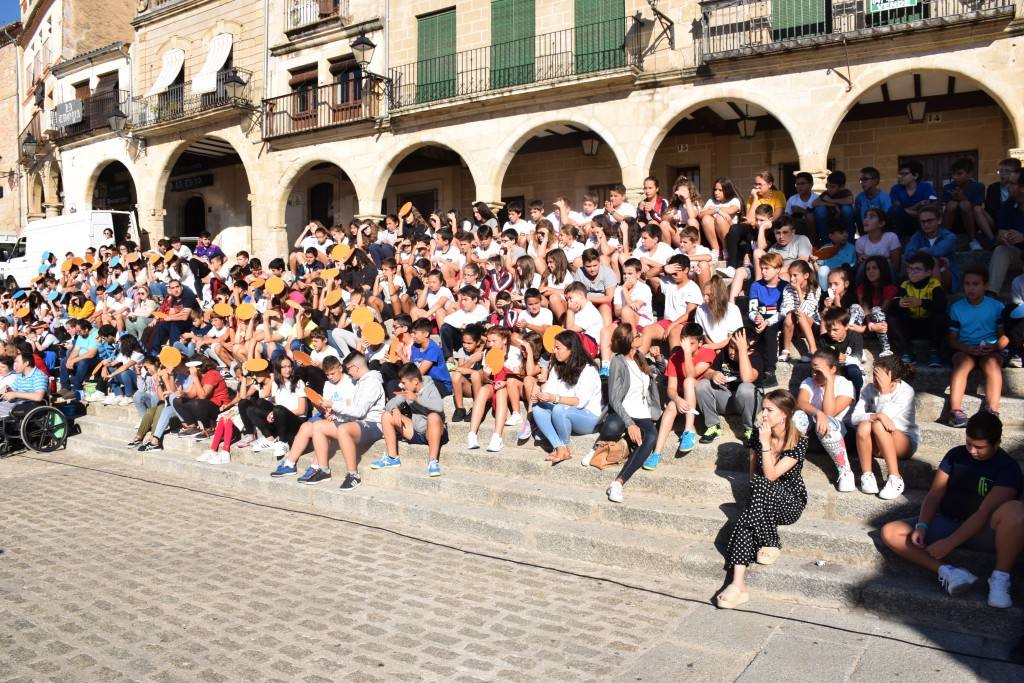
(74, 232)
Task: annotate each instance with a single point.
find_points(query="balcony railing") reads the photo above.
(314, 108)
(737, 27)
(571, 53)
(302, 13)
(96, 111)
(179, 102)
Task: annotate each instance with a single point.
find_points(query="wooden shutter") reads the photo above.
(513, 42)
(796, 18)
(600, 35)
(435, 47)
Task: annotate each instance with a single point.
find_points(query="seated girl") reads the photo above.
(799, 309)
(824, 400)
(499, 390)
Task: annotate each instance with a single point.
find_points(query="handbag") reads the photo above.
(609, 454)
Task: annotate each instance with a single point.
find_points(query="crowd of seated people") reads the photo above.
(613, 325)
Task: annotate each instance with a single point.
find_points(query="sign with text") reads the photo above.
(195, 182)
(67, 113)
(888, 5)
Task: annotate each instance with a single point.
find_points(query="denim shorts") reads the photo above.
(420, 439)
(943, 527)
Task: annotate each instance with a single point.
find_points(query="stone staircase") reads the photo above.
(673, 522)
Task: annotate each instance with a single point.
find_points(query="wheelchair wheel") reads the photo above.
(44, 429)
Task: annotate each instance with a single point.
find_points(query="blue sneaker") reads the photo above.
(603, 372)
(434, 468)
(652, 461)
(687, 442)
(385, 462)
(283, 470)
(306, 475)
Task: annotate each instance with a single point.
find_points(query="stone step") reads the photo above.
(594, 540)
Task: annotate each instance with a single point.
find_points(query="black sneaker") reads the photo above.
(150, 446)
(135, 443)
(316, 477)
(459, 415)
(768, 378)
(352, 481)
(189, 433)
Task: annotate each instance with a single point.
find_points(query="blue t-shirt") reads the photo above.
(976, 324)
(900, 199)
(973, 191)
(863, 202)
(438, 370)
(847, 254)
(971, 480)
(89, 343)
(768, 298)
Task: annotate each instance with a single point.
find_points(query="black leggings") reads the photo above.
(251, 408)
(737, 241)
(285, 425)
(613, 428)
(197, 411)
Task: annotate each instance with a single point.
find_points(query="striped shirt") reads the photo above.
(34, 381)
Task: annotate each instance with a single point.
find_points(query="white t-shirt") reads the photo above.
(453, 255)
(461, 319)
(514, 359)
(625, 209)
(287, 398)
(587, 389)
(843, 387)
(635, 401)
(522, 227)
(735, 202)
(718, 332)
(311, 241)
(589, 320)
(318, 356)
(544, 317)
(661, 254)
(796, 201)
(678, 298)
(443, 293)
(641, 294)
(398, 282)
(565, 282)
(882, 247)
(573, 251)
(492, 250)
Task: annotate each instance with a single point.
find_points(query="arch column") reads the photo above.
(266, 240)
(633, 178)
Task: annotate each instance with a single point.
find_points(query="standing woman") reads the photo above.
(777, 494)
(886, 423)
(634, 406)
(569, 401)
(719, 214)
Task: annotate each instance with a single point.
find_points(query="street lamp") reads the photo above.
(747, 127)
(117, 120)
(915, 111)
(234, 85)
(590, 146)
(29, 146)
(362, 48)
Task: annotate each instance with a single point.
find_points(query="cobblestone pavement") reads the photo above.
(115, 575)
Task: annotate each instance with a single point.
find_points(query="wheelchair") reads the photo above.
(41, 428)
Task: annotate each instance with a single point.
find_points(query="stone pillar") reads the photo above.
(495, 207)
(369, 207)
(51, 210)
(270, 243)
(1016, 26)
(151, 225)
(633, 178)
(375, 217)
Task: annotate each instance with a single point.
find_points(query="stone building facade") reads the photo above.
(495, 100)
(10, 206)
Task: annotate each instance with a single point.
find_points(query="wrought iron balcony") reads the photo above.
(311, 109)
(178, 102)
(733, 28)
(569, 54)
(300, 14)
(95, 114)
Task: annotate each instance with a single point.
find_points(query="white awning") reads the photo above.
(172, 63)
(206, 80)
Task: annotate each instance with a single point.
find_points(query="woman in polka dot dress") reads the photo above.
(777, 494)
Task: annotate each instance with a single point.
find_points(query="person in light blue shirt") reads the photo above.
(937, 242)
(872, 196)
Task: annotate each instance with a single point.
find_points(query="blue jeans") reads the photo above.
(73, 379)
(144, 400)
(124, 384)
(557, 422)
(188, 349)
(821, 219)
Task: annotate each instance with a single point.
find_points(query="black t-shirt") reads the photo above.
(852, 346)
(731, 368)
(971, 480)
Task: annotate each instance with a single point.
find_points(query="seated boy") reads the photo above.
(600, 281)
(466, 376)
(682, 297)
(730, 387)
(633, 301)
(846, 344)
(763, 311)
(976, 338)
(688, 364)
(835, 202)
(428, 357)
(583, 318)
(840, 252)
(972, 504)
(415, 415)
(431, 306)
(470, 311)
(699, 255)
(964, 201)
(921, 310)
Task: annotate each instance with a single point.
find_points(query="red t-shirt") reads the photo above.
(676, 367)
(220, 395)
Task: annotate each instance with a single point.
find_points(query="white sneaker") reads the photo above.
(525, 430)
(999, 590)
(110, 400)
(220, 458)
(955, 580)
(847, 482)
(615, 492)
(976, 246)
(783, 356)
(714, 255)
(588, 457)
(727, 272)
(514, 420)
(205, 456)
(280, 449)
(261, 445)
(496, 443)
(893, 488)
(95, 397)
(868, 484)
(125, 401)
(472, 441)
